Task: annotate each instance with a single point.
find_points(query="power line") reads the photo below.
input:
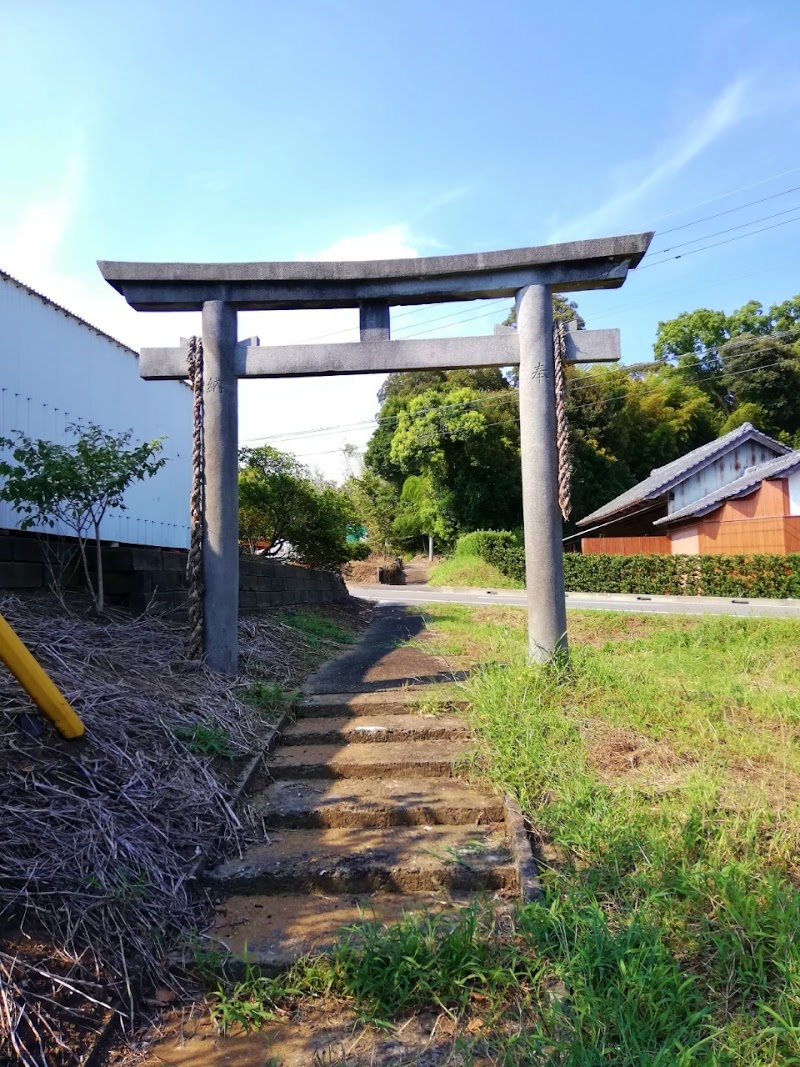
(576, 385)
(482, 315)
(717, 244)
(395, 316)
(457, 317)
(682, 226)
(724, 196)
(350, 329)
(580, 407)
(730, 210)
(730, 229)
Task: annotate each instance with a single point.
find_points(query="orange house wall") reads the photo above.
(770, 500)
(773, 536)
(626, 546)
(756, 523)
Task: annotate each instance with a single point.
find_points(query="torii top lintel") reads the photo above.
(601, 263)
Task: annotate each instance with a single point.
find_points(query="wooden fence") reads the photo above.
(627, 546)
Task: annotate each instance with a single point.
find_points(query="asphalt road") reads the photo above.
(658, 605)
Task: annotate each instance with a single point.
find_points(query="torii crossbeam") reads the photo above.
(219, 290)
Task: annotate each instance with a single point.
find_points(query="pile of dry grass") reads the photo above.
(364, 571)
(98, 836)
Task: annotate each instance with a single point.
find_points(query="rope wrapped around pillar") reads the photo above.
(194, 563)
(562, 426)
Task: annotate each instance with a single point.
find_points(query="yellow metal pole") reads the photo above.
(37, 683)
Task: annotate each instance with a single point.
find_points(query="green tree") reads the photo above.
(749, 357)
(467, 443)
(420, 513)
(74, 485)
(622, 425)
(375, 502)
(396, 395)
(764, 373)
(284, 509)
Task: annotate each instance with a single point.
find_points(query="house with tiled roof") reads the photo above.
(738, 494)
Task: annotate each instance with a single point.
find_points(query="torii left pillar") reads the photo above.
(221, 527)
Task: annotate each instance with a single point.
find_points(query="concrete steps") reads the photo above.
(376, 803)
(272, 931)
(417, 759)
(378, 702)
(407, 860)
(364, 817)
(333, 730)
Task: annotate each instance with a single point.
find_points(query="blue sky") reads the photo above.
(209, 131)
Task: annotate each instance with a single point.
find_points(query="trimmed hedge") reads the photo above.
(485, 542)
(726, 576)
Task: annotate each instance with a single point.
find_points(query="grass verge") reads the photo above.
(318, 628)
(662, 771)
(470, 572)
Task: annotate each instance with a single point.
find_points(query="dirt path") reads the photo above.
(363, 814)
(418, 569)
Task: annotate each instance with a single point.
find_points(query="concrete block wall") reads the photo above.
(154, 579)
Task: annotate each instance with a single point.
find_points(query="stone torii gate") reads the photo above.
(219, 290)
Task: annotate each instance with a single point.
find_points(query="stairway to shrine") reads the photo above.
(364, 812)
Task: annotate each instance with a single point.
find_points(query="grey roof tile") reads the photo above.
(749, 481)
(662, 479)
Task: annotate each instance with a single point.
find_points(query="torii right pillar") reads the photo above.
(544, 552)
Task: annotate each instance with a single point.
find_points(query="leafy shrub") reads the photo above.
(76, 484)
(359, 550)
(482, 542)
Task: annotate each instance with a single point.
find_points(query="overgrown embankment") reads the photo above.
(98, 836)
(474, 563)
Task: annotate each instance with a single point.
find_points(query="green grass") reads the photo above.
(318, 628)
(672, 879)
(661, 770)
(205, 740)
(269, 697)
(470, 572)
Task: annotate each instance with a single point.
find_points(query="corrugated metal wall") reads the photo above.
(54, 370)
(722, 471)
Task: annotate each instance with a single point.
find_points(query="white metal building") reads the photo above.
(57, 369)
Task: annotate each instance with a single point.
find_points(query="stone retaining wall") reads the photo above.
(154, 579)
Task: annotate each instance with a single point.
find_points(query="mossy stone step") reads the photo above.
(366, 729)
(371, 802)
(404, 860)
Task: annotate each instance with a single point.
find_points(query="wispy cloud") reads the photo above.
(392, 242)
(30, 246)
(449, 196)
(732, 105)
(32, 250)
